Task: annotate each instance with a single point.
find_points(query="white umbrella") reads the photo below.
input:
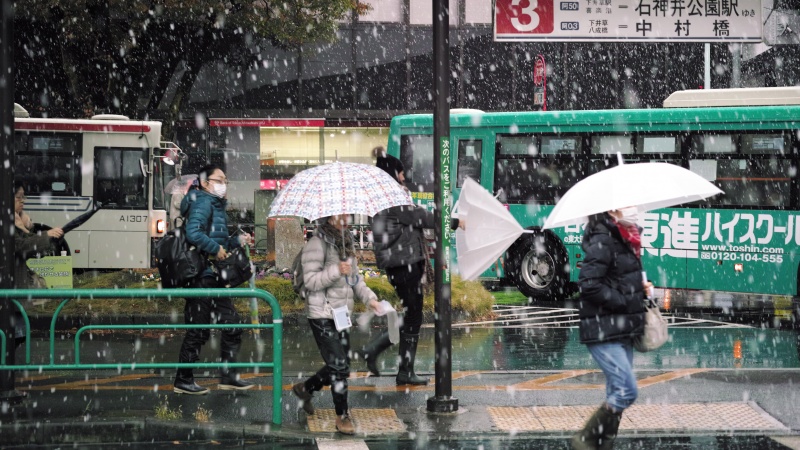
(490, 230)
(339, 188)
(645, 185)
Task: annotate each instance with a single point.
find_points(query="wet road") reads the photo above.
(707, 330)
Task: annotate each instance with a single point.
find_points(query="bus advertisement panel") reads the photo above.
(745, 240)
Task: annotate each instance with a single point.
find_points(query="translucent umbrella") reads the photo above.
(490, 230)
(339, 188)
(180, 185)
(645, 185)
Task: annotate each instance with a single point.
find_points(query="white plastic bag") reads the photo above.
(655, 329)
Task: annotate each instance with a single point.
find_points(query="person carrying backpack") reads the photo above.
(207, 229)
(331, 282)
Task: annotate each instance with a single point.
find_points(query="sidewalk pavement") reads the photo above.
(755, 409)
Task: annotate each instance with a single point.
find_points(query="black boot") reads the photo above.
(184, 384)
(408, 353)
(373, 350)
(599, 431)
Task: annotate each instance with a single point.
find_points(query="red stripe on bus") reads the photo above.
(104, 128)
(266, 122)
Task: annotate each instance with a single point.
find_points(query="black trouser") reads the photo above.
(334, 346)
(208, 310)
(407, 282)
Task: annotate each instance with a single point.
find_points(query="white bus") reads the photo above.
(69, 167)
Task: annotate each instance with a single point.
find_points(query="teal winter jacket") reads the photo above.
(206, 223)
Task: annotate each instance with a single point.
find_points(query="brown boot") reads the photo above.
(344, 424)
(300, 391)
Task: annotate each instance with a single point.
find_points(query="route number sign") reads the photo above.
(628, 20)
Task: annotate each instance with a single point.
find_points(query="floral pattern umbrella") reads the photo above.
(339, 188)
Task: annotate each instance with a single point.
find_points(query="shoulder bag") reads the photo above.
(655, 329)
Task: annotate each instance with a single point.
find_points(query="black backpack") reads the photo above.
(178, 262)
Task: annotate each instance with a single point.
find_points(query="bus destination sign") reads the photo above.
(628, 20)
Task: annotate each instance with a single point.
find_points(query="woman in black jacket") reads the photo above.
(611, 314)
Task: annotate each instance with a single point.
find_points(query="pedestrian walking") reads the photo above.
(401, 251)
(611, 311)
(331, 282)
(207, 229)
(31, 240)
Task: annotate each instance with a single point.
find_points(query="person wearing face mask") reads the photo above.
(612, 313)
(207, 229)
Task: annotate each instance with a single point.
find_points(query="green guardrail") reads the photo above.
(93, 294)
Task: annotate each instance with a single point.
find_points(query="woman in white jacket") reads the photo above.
(331, 281)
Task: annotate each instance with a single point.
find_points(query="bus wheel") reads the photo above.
(538, 267)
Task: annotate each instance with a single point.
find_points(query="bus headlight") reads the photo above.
(161, 226)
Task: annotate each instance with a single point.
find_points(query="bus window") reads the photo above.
(657, 144)
(764, 143)
(469, 160)
(611, 145)
(48, 163)
(517, 146)
(416, 153)
(714, 143)
(758, 182)
(118, 180)
(561, 145)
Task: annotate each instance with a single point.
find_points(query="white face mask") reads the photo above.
(220, 190)
(630, 215)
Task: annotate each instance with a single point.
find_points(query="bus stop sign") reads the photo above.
(628, 20)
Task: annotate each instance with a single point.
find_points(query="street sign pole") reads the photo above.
(7, 391)
(443, 400)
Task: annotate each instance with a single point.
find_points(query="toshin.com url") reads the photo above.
(742, 253)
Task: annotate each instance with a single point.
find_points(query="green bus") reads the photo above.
(746, 141)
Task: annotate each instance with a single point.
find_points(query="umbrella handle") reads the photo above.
(529, 231)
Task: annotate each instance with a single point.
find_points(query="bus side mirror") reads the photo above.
(143, 168)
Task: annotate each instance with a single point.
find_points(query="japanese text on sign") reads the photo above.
(628, 20)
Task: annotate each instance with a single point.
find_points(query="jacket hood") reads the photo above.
(195, 195)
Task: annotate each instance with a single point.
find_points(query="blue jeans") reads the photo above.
(615, 359)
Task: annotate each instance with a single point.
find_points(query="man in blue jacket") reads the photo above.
(207, 229)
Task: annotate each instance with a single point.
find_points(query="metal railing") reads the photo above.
(92, 294)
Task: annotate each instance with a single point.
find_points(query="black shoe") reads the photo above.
(192, 388)
(234, 384)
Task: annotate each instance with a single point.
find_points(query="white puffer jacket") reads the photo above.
(323, 281)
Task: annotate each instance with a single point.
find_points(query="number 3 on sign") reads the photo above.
(529, 11)
(515, 17)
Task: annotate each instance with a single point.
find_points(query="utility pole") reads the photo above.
(443, 401)
(8, 394)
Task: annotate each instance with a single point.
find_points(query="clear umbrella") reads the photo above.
(490, 230)
(645, 185)
(180, 185)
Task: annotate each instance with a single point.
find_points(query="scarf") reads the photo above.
(342, 240)
(630, 233)
(23, 222)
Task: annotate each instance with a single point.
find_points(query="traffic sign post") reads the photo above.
(628, 20)
(540, 83)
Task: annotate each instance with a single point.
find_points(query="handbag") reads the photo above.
(235, 269)
(655, 329)
(179, 262)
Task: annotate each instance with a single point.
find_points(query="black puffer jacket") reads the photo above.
(612, 296)
(397, 234)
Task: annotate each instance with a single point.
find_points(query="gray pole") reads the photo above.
(7, 391)
(443, 401)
